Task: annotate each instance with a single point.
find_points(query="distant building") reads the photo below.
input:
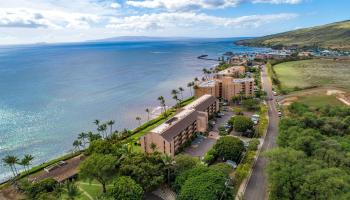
(234, 71)
(174, 133)
(226, 85)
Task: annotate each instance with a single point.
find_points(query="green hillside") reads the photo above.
(330, 36)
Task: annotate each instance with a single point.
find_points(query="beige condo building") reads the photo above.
(226, 85)
(174, 133)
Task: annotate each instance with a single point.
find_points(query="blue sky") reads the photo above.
(32, 21)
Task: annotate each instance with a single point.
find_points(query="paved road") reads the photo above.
(257, 185)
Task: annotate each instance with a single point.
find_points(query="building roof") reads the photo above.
(201, 103)
(172, 121)
(231, 70)
(242, 80)
(210, 83)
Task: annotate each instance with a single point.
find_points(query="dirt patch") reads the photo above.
(295, 96)
(10, 193)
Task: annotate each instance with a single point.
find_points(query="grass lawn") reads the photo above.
(315, 72)
(94, 189)
(319, 100)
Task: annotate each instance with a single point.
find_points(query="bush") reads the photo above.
(209, 185)
(126, 188)
(34, 189)
(253, 145)
(210, 156)
(242, 123)
(184, 176)
(229, 148)
(183, 163)
(237, 111)
(251, 104)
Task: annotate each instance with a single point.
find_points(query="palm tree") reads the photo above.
(72, 190)
(168, 161)
(82, 137)
(77, 144)
(153, 147)
(162, 103)
(26, 161)
(205, 72)
(175, 97)
(196, 79)
(103, 129)
(181, 90)
(148, 113)
(110, 123)
(97, 122)
(189, 85)
(138, 119)
(174, 92)
(11, 161)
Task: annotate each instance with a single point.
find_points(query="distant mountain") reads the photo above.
(137, 38)
(330, 36)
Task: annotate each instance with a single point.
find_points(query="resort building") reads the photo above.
(226, 87)
(235, 71)
(170, 136)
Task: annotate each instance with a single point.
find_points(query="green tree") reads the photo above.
(146, 170)
(162, 104)
(168, 162)
(110, 123)
(183, 163)
(251, 104)
(26, 161)
(190, 85)
(99, 167)
(11, 161)
(229, 148)
(181, 90)
(72, 190)
(83, 137)
(125, 188)
(139, 120)
(325, 184)
(210, 185)
(242, 123)
(147, 110)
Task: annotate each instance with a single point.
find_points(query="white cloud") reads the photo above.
(190, 19)
(278, 1)
(186, 5)
(115, 5)
(30, 18)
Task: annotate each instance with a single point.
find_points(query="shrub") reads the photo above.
(229, 148)
(126, 188)
(253, 145)
(251, 104)
(242, 123)
(210, 185)
(237, 111)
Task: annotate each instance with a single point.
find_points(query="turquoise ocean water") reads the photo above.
(50, 93)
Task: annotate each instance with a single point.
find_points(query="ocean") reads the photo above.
(50, 93)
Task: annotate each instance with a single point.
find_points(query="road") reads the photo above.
(257, 185)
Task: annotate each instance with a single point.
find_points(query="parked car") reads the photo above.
(221, 114)
(233, 164)
(280, 114)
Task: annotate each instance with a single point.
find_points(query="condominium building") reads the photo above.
(225, 85)
(234, 71)
(175, 132)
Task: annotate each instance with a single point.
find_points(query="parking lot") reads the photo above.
(201, 145)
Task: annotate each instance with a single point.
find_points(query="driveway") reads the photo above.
(257, 184)
(204, 144)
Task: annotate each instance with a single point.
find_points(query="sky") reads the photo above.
(53, 21)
